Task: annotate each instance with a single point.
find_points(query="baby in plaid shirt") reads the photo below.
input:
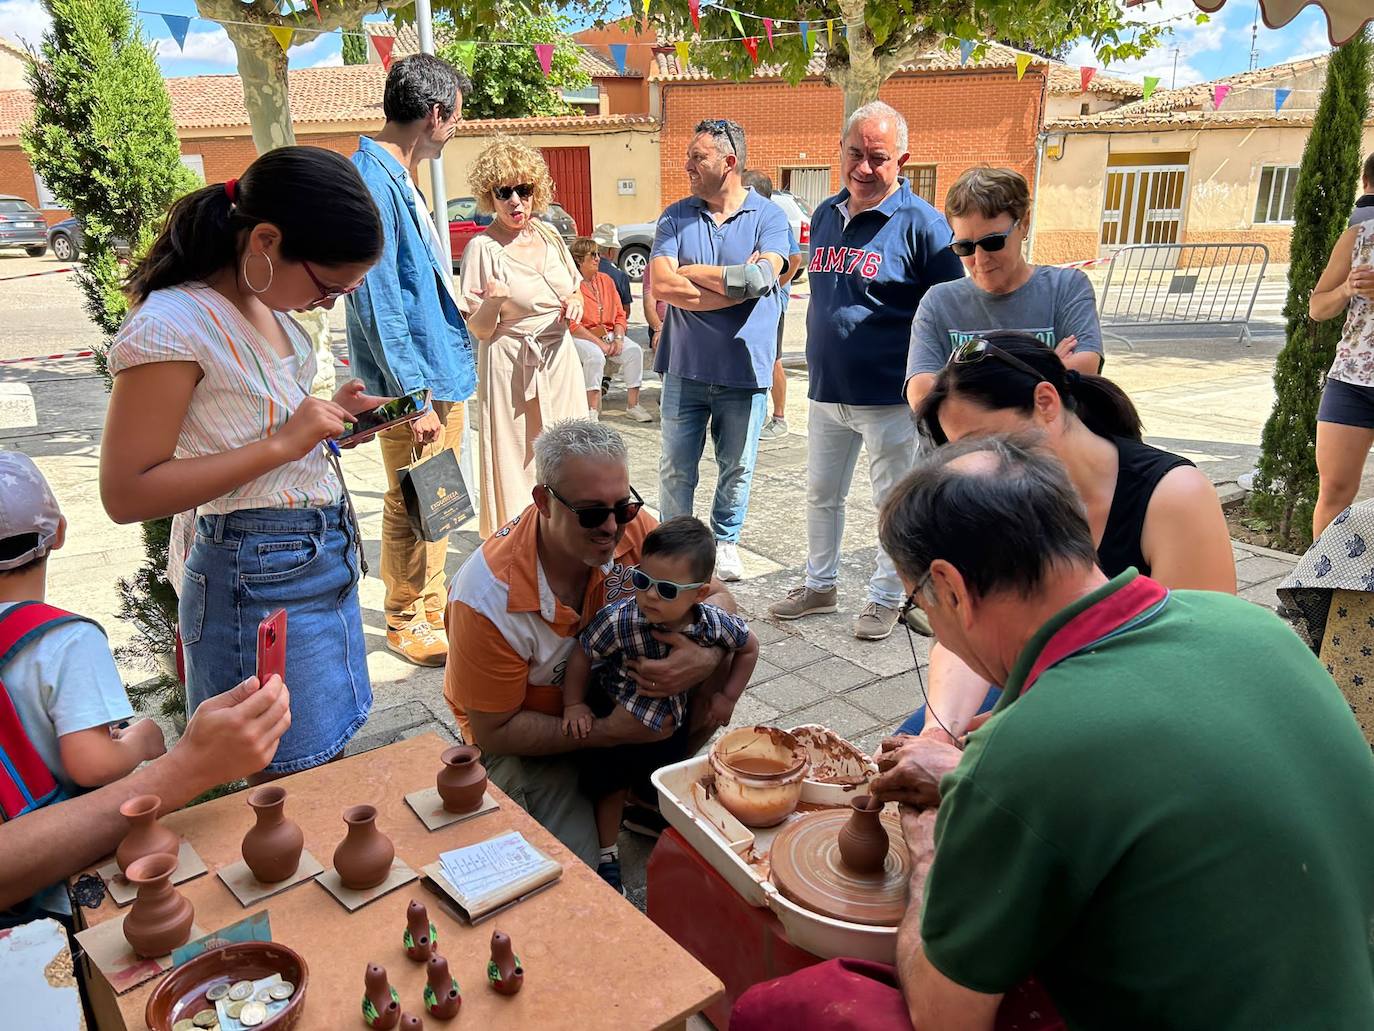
(671, 582)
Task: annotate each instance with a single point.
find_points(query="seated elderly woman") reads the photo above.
(600, 333)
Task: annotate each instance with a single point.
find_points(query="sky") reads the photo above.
(1194, 53)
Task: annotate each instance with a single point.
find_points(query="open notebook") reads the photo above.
(485, 878)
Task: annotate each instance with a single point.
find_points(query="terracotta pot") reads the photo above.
(442, 997)
(272, 847)
(863, 840)
(504, 970)
(145, 837)
(421, 938)
(160, 918)
(381, 1002)
(463, 779)
(363, 858)
(758, 774)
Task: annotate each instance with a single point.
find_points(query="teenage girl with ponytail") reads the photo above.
(211, 419)
(1147, 508)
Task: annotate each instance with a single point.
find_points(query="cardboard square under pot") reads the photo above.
(353, 900)
(189, 867)
(248, 889)
(112, 955)
(429, 807)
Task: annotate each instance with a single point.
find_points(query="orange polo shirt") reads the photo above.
(602, 311)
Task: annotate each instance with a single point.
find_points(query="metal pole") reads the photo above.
(424, 22)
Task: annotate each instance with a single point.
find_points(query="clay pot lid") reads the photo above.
(182, 991)
(807, 869)
(724, 748)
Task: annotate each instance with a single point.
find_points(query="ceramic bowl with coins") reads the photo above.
(256, 984)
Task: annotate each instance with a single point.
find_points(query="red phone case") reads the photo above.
(272, 646)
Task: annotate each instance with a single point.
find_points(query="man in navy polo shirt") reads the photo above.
(875, 249)
(715, 263)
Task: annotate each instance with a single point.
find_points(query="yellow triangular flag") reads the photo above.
(646, 8)
(683, 48)
(830, 32)
(282, 34)
(1022, 63)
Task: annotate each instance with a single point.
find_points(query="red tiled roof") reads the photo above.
(1067, 80)
(556, 123)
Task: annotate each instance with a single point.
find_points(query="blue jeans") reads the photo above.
(916, 722)
(244, 566)
(735, 416)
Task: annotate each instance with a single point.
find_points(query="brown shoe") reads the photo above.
(419, 643)
(435, 618)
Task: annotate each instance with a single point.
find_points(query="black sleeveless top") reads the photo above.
(1139, 470)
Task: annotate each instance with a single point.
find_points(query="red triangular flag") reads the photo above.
(383, 45)
(316, 4)
(694, 6)
(545, 54)
(1085, 76)
(751, 44)
(768, 31)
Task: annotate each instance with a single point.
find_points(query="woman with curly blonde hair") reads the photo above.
(519, 291)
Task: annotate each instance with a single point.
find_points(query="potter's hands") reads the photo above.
(687, 665)
(911, 769)
(577, 720)
(234, 734)
(918, 830)
(721, 709)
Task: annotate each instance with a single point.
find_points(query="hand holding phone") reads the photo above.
(272, 647)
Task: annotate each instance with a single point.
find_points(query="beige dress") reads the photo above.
(528, 372)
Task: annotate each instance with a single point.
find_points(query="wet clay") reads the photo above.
(808, 869)
(758, 766)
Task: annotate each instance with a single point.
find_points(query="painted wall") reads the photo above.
(1071, 105)
(11, 70)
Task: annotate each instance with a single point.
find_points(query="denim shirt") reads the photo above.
(404, 329)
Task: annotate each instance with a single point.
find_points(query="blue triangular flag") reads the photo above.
(965, 49)
(1280, 95)
(805, 27)
(618, 52)
(177, 25)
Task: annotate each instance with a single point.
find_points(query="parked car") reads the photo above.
(66, 240)
(22, 225)
(465, 222)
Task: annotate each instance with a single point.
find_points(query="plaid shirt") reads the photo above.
(620, 632)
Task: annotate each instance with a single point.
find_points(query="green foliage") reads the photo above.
(148, 603)
(354, 48)
(508, 81)
(1286, 486)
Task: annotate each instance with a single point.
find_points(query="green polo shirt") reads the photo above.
(1172, 829)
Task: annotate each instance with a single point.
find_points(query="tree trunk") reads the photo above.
(862, 75)
(262, 70)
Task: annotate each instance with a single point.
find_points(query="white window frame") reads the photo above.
(196, 163)
(1283, 179)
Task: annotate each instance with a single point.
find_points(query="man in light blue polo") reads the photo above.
(715, 263)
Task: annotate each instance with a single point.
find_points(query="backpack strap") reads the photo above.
(27, 620)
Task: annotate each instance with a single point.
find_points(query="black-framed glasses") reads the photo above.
(589, 517)
(327, 294)
(723, 127)
(991, 242)
(524, 190)
(973, 351)
(906, 608)
(668, 590)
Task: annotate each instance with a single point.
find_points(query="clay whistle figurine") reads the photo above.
(442, 994)
(504, 970)
(421, 937)
(411, 1023)
(381, 1002)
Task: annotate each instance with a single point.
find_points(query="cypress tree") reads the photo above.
(1286, 484)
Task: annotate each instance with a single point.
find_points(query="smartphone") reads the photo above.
(398, 410)
(272, 647)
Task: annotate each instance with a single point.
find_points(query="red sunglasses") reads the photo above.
(326, 293)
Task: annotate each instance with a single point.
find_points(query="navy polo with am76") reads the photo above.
(867, 275)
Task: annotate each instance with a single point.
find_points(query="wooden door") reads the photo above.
(571, 170)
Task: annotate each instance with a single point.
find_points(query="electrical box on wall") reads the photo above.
(625, 187)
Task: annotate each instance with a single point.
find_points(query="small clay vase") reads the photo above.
(442, 994)
(863, 839)
(363, 858)
(160, 918)
(272, 847)
(381, 1002)
(463, 779)
(145, 836)
(504, 970)
(410, 1022)
(421, 937)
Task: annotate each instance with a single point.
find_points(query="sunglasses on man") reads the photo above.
(667, 589)
(990, 243)
(524, 190)
(722, 127)
(973, 351)
(589, 517)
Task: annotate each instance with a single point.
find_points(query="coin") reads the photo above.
(217, 992)
(241, 990)
(264, 995)
(233, 1009)
(183, 1025)
(253, 1014)
(282, 991)
(205, 1018)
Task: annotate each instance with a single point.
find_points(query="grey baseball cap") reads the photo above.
(27, 506)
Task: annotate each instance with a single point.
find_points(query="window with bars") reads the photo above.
(1278, 186)
(922, 179)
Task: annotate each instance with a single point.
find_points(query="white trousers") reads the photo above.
(630, 360)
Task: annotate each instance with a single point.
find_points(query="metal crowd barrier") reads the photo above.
(1182, 284)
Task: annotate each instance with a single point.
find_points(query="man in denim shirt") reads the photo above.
(405, 334)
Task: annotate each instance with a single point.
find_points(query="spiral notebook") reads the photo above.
(485, 878)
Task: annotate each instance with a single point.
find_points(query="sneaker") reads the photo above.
(803, 601)
(643, 820)
(728, 566)
(435, 618)
(419, 643)
(916, 619)
(875, 622)
(773, 429)
(609, 871)
(605, 385)
(639, 413)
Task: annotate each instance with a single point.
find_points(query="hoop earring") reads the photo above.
(270, 272)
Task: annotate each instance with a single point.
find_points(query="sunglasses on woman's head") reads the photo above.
(667, 589)
(991, 242)
(525, 190)
(974, 351)
(589, 517)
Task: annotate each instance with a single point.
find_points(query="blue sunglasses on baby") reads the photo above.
(667, 589)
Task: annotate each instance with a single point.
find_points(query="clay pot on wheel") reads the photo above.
(463, 779)
(272, 847)
(160, 918)
(145, 837)
(863, 841)
(363, 858)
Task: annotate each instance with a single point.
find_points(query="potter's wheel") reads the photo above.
(808, 870)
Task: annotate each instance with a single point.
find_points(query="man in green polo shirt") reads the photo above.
(1168, 820)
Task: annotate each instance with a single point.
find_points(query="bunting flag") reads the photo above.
(1281, 95)
(646, 8)
(806, 35)
(1151, 81)
(178, 26)
(965, 49)
(734, 17)
(694, 6)
(544, 51)
(316, 4)
(768, 31)
(830, 33)
(1085, 76)
(383, 45)
(751, 44)
(1022, 63)
(466, 51)
(1219, 92)
(282, 34)
(683, 49)
(617, 54)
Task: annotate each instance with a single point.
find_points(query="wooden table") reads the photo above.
(591, 959)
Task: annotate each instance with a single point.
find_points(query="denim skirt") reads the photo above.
(245, 565)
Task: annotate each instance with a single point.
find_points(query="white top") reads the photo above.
(1355, 353)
